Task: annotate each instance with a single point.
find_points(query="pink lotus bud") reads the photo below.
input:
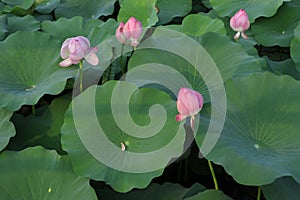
(189, 103)
(75, 49)
(240, 23)
(130, 32)
(120, 33)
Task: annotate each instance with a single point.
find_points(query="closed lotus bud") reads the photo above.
(75, 49)
(130, 32)
(120, 33)
(240, 23)
(189, 104)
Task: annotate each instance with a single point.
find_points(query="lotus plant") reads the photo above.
(75, 49)
(189, 104)
(240, 23)
(129, 33)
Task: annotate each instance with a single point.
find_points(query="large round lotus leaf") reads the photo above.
(261, 131)
(279, 29)
(7, 129)
(43, 128)
(198, 24)
(285, 188)
(46, 6)
(36, 173)
(29, 69)
(122, 135)
(95, 30)
(229, 57)
(169, 9)
(295, 47)
(167, 191)
(143, 11)
(89, 9)
(254, 9)
(210, 195)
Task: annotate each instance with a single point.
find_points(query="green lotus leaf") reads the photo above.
(249, 46)
(24, 4)
(261, 129)
(43, 128)
(209, 195)
(44, 17)
(279, 29)
(206, 3)
(167, 191)
(116, 133)
(284, 188)
(36, 173)
(231, 58)
(30, 70)
(7, 129)
(11, 24)
(89, 9)
(3, 26)
(198, 24)
(286, 67)
(46, 6)
(295, 47)
(95, 30)
(18, 7)
(169, 9)
(143, 11)
(254, 9)
(26, 23)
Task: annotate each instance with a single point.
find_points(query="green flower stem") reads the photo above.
(258, 193)
(121, 59)
(112, 68)
(33, 110)
(213, 175)
(80, 77)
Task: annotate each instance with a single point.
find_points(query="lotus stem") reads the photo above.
(33, 110)
(121, 60)
(80, 77)
(112, 70)
(258, 193)
(213, 175)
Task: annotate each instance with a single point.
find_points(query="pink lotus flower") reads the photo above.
(130, 32)
(75, 49)
(240, 23)
(189, 104)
